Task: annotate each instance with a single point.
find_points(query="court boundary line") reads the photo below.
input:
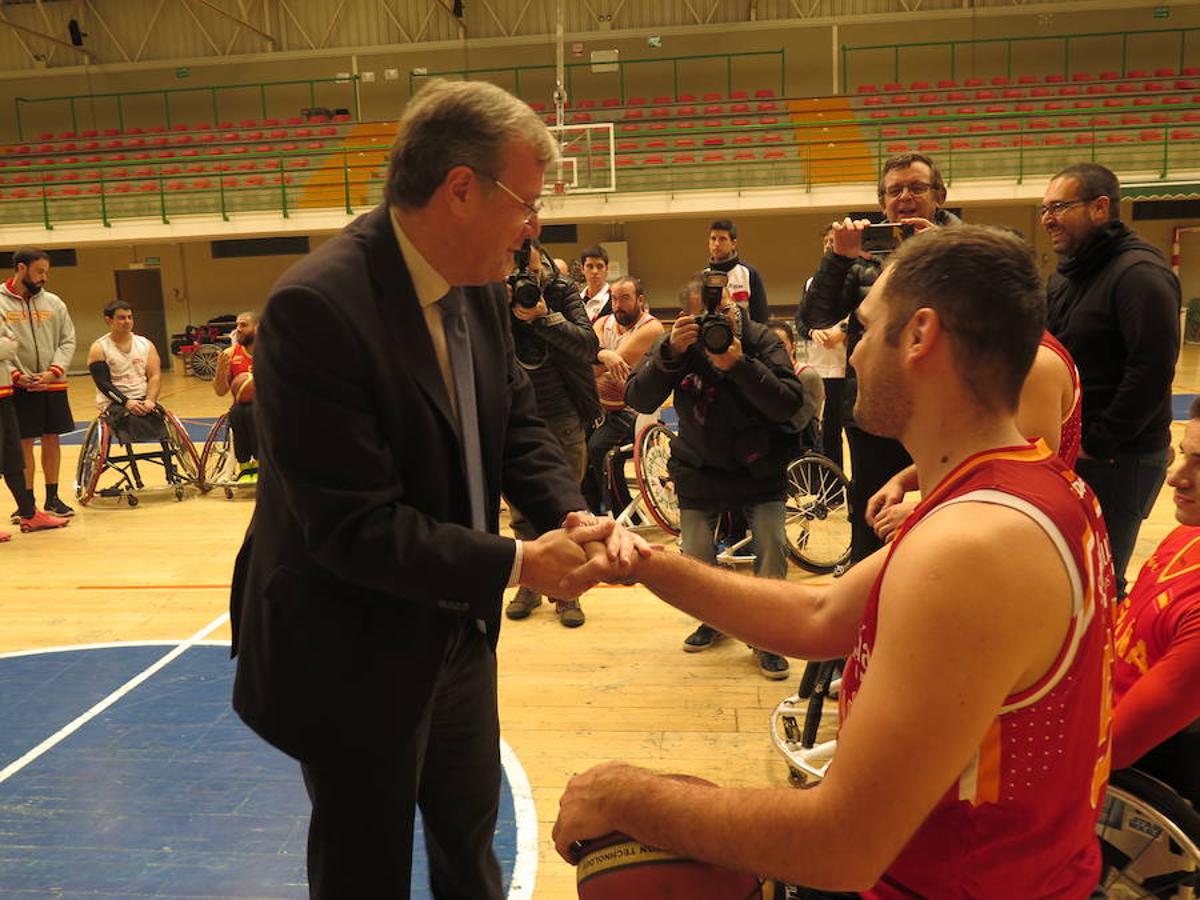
(525, 865)
(83, 718)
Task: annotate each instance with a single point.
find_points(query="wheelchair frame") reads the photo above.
(218, 466)
(175, 453)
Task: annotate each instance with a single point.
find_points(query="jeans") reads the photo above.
(696, 527)
(615, 430)
(1126, 487)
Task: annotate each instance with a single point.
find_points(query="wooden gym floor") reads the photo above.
(619, 687)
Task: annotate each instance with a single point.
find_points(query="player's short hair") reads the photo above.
(110, 308)
(631, 279)
(593, 252)
(1095, 181)
(903, 161)
(459, 123)
(724, 225)
(985, 287)
(29, 255)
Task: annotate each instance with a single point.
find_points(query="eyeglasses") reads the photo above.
(534, 209)
(917, 189)
(1058, 207)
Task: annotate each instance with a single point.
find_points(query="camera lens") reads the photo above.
(716, 335)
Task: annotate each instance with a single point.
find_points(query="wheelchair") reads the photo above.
(642, 490)
(218, 465)
(109, 463)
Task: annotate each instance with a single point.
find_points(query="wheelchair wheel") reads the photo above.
(1149, 840)
(818, 514)
(216, 459)
(183, 449)
(651, 453)
(204, 361)
(93, 457)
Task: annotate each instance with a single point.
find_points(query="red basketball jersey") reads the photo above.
(239, 361)
(1071, 431)
(1019, 820)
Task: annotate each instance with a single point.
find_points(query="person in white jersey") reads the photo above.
(125, 366)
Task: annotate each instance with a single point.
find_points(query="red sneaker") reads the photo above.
(41, 520)
(5, 537)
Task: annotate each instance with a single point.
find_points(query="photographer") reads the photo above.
(555, 345)
(736, 395)
(911, 191)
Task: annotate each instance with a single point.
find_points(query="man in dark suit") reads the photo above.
(366, 597)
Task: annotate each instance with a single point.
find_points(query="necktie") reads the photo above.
(458, 346)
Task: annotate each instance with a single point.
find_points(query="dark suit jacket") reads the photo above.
(360, 561)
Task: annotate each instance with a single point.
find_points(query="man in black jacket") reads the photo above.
(1115, 305)
(911, 190)
(555, 345)
(736, 438)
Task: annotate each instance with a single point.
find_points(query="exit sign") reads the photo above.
(1162, 12)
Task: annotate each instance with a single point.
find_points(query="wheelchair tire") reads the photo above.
(1149, 840)
(215, 456)
(183, 448)
(93, 457)
(204, 361)
(818, 514)
(651, 453)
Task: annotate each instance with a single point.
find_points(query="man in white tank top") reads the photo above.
(124, 365)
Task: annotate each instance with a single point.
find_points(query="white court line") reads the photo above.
(71, 727)
(525, 812)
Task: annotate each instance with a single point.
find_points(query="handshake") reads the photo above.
(585, 551)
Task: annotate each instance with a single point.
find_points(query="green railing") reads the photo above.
(519, 75)
(121, 99)
(1120, 40)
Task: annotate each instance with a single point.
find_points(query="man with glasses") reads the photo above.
(1114, 304)
(366, 597)
(911, 190)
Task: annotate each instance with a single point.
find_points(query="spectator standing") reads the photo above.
(593, 262)
(745, 284)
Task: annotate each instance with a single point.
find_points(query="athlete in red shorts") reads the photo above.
(1156, 724)
(976, 703)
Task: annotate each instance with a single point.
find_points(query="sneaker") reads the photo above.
(772, 665)
(520, 606)
(15, 518)
(5, 537)
(248, 475)
(701, 639)
(57, 508)
(570, 613)
(41, 520)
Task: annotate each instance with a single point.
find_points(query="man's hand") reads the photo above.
(614, 364)
(584, 810)
(727, 360)
(887, 496)
(548, 560)
(888, 521)
(29, 382)
(917, 223)
(847, 237)
(613, 552)
(829, 338)
(529, 313)
(140, 407)
(684, 333)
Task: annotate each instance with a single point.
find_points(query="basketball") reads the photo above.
(242, 387)
(617, 867)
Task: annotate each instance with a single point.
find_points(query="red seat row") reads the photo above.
(662, 100)
(1054, 78)
(199, 126)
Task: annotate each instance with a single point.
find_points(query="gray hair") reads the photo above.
(459, 123)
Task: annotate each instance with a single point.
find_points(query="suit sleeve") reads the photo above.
(1147, 311)
(313, 374)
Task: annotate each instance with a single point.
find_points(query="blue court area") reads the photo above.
(163, 794)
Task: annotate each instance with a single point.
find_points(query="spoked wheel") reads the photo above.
(183, 450)
(818, 514)
(651, 454)
(93, 457)
(204, 361)
(216, 460)
(1149, 840)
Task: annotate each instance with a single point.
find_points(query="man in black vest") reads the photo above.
(1115, 305)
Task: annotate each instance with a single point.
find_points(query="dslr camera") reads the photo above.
(527, 289)
(716, 334)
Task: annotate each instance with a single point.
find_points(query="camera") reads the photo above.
(527, 290)
(885, 237)
(716, 335)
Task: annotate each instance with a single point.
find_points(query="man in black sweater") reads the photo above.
(1115, 305)
(736, 438)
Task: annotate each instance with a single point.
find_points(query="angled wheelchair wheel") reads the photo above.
(651, 454)
(204, 361)
(1149, 840)
(818, 514)
(93, 458)
(183, 450)
(216, 459)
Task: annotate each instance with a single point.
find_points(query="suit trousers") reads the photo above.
(360, 836)
(873, 460)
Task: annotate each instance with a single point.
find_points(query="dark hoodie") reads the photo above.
(1115, 306)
